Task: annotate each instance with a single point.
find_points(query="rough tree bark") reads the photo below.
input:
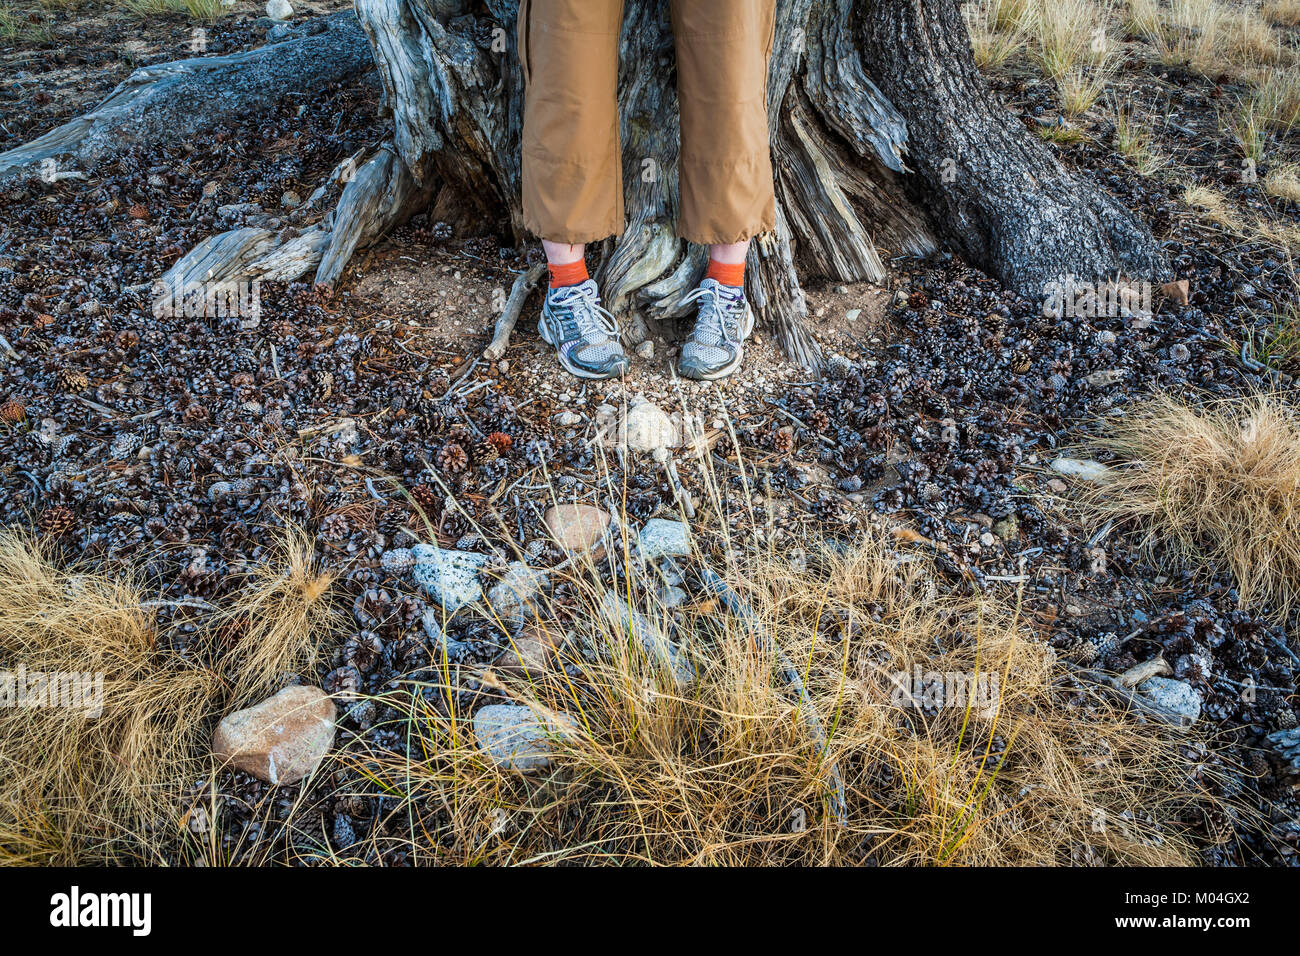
(886, 142)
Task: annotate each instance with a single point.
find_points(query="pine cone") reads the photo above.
(12, 412)
(452, 458)
(433, 417)
(502, 442)
(783, 440)
(335, 527)
(918, 300)
(72, 379)
(427, 500)
(56, 521)
(1021, 361)
(485, 452)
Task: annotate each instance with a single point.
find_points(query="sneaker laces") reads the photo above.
(710, 327)
(579, 311)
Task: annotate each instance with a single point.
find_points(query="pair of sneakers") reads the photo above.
(585, 334)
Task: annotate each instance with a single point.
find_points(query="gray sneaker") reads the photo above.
(717, 345)
(584, 334)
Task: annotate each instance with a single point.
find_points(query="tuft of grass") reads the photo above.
(196, 9)
(1277, 99)
(995, 35)
(1219, 483)
(1062, 135)
(1249, 41)
(1135, 141)
(76, 787)
(1071, 34)
(1281, 13)
(1249, 129)
(19, 26)
(1283, 181)
(1142, 19)
(278, 620)
(1080, 88)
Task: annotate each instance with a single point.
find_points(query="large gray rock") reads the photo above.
(660, 538)
(515, 737)
(1173, 695)
(449, 577)
(280, 740)
(658, 647)
(515, 597)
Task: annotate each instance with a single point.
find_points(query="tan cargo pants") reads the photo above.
(572, 156)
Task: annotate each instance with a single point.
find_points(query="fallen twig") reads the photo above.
(510, 314)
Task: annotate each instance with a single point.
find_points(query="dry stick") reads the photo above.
(790, 674)
(523, 286)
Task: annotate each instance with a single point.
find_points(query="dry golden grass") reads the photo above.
(1135, 140)
(76, 788)
(1206, 36)
(1080, 88)
(1281, 13)
(1250, 131)
(277, 622)
(1220, 483)
(1276, 99)
(197, 9)
(1214, 208)
(996, 31)
(728, 772)
(1283, 181)
(1070, 35)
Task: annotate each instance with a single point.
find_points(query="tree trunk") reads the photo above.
(1004, 201)
(842, 145)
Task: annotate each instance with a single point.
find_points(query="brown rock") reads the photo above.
(1178, 291)
(575, 527)
(280, 740)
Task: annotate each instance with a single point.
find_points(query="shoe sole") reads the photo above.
(577, 370)
(746, 329)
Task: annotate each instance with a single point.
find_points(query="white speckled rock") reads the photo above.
(282, 739)
(647, 427)
(1174, 695)
(662, 538)
(449, 577)
(515, 737)
(279, 9)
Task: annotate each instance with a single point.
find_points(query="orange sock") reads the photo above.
(725, 274)
(573, 273)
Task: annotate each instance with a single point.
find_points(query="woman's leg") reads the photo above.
(728, 195)
(572, 167)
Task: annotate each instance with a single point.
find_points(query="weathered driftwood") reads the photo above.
(178, 101)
